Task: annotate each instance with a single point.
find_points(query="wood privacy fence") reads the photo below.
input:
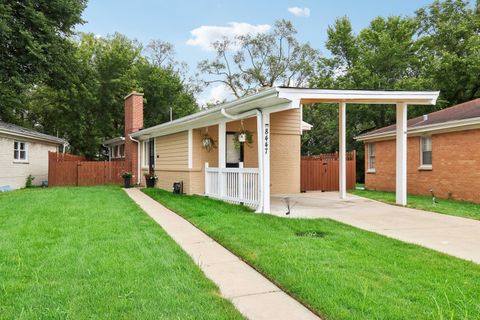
(71, 170)
(320, 172)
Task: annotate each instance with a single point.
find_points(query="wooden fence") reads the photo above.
(320, 172)
(71, 170)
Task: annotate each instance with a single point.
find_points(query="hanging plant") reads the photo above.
(244, 136)
(207, 142)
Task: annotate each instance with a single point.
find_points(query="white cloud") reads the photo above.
(217, 93)
(203, 36)
(299, 12)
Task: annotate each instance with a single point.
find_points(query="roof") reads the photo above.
(113, 141)
(283, 98)
(29, 133)
(460, 115)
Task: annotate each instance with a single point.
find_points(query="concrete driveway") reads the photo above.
(455, 236)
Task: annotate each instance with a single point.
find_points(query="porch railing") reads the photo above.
(235, 185)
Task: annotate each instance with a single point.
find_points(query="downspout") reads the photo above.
(259, 115)
(138, 158)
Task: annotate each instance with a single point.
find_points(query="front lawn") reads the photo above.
(92, 253)
(445, 206)
(339, 271)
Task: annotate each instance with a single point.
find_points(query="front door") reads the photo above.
(234, 155)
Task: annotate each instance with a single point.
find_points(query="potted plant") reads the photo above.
(244, 136)
(127, 178)
(150, 179)
(207, 142)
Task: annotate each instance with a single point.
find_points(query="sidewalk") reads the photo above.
(250, 292)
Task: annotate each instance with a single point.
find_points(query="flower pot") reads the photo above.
(127, 182)
(150, 183)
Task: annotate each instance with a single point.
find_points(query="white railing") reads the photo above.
(235, 185)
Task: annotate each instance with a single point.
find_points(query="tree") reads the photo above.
(90, 108)
(249, 62)
(34, 47)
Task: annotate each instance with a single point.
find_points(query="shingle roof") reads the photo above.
(12, 128)
(466, 110)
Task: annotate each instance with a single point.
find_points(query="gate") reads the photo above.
(321, 172)
(70, 170)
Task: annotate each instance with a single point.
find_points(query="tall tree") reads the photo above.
(249, 62)
(34, 47)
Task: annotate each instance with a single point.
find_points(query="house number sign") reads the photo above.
(266, 138)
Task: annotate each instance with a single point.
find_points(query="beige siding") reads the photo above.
(172, 151)
(13, 173)
(286, 122)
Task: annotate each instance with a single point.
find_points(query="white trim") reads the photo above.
(342, 141)
(145, 155)
(425, 168)
(422, 165)
(25, 149)
(371, 168)
(456, 125)
(190, 148)
(222, 132)
(260, 161)
(401, 155)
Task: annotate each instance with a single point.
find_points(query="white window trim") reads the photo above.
(425, 167)
(144, 154)
(370, 170)
(26, 152)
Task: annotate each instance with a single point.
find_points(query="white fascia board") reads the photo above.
(113, 141)
(360, 96)
(33, 137)
(457, 125)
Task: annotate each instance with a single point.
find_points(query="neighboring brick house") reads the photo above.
(443, 154)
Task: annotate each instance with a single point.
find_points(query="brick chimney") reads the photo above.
(133, 123)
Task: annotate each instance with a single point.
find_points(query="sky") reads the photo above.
(192, 25)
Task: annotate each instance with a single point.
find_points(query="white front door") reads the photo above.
(233, 155)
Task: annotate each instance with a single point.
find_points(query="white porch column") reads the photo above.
(222, 131)
(260, 160)
(342, 157)
(266, 162)
(401, 161)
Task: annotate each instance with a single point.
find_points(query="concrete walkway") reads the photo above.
(250, 292)
(452, 235)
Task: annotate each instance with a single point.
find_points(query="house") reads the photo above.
(116, 148)
(24, 152)
(245, 150)
(443, 154)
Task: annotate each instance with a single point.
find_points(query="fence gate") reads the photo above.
(69, 170)
(321, 172)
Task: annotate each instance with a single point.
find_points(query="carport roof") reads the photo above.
(283, 98)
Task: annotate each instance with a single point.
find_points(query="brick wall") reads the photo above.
(133, 123)
(455, 166)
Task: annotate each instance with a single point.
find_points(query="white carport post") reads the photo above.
(222, 136)
(342, 157)
(266, 162)
(401, 161)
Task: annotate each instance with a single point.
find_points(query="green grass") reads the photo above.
(339, 271)
(444, 206)
(92, 253)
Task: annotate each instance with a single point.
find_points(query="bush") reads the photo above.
(28, 183)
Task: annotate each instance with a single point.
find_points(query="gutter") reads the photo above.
(138, 158)
(456, 124)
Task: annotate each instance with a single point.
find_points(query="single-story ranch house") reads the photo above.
(443, 154)
(245, 150)
(24, 152)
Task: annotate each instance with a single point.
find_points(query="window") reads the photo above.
(426, 151)
(145, 153)
(20, 152)
(371, 157)
(122, 151)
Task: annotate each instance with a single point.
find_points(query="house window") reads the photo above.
(426, 151)
(20, 152)
(122, 151)
(371, 157)
(145, 154)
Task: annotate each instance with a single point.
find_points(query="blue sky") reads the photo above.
(174, 21)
